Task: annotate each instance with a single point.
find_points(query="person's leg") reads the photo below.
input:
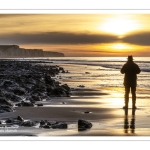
(126, 100)
(133, 91)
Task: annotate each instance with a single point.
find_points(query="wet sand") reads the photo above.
(104, 107)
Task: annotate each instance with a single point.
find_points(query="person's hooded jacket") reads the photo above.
(130, 69)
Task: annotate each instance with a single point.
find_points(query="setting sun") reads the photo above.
(119, 25)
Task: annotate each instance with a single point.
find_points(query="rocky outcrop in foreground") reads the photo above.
(44, 124)
(23, 83)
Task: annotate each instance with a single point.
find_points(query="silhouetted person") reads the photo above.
(130, 80)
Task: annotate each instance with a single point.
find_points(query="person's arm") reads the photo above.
(123, 69)
(138, 70)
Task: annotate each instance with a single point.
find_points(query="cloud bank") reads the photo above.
(57, 38)
(139, 38)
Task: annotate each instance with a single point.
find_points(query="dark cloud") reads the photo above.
(57, 38)
(139, 38)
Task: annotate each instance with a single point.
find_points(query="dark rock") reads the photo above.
(59, 92)
(72, 89)
(32, 101)
(19, 92)
(87, 73)
(18, 122)
(81, 86)
(59, 125)
(42, 122)
(13, 97)
(0, 122)
(38, 90)
(28, 124)
(19, 104)
(48, 80)
(1, 93)
(2, 111)
(9, 120)
(63, 71)
(66, 87)
(40, 104)
(49, 89)
(6, 108)
(86, 112)
(27, 103)
(6, 102)
(83, 125)
(20, 118)
(46, 127)
(49, 123)
(57, 83)
(36, 98)
(7, 83)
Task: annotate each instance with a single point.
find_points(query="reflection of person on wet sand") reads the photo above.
(132, 122)
(130, 69)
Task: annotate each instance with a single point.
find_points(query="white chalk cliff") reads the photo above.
(14, 51)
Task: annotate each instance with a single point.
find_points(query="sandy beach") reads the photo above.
(100, 106)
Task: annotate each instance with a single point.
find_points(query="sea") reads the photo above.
(108, 69)
(105, 69)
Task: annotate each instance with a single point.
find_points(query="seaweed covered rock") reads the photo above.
(24, 82)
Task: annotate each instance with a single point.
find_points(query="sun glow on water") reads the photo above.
(120, 46)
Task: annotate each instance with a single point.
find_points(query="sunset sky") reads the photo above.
(79, 34)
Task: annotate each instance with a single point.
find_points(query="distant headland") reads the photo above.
(14, 51)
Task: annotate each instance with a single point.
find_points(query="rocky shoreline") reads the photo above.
(23, 83)
(27, 84)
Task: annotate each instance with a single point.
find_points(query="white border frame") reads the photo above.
(76, 11)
